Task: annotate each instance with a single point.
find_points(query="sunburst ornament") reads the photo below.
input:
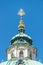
(21, 12)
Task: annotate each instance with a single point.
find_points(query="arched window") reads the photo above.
(30, 56)
(21, 54)
(12, 55)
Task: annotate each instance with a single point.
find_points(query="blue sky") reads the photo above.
(9, 21)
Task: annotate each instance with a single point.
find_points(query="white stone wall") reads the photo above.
(9, 56)
(13, 50)
(26, 52)
(18, 53)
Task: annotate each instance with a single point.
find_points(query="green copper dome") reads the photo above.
(24, 62)
(21, 37)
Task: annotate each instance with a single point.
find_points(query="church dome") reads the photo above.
(21, 37)
(24, 62)
(21, 50)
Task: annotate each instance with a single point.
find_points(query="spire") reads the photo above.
(21, 13)
(21, 24)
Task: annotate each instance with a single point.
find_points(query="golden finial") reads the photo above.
(21, 13)
(21, 25)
